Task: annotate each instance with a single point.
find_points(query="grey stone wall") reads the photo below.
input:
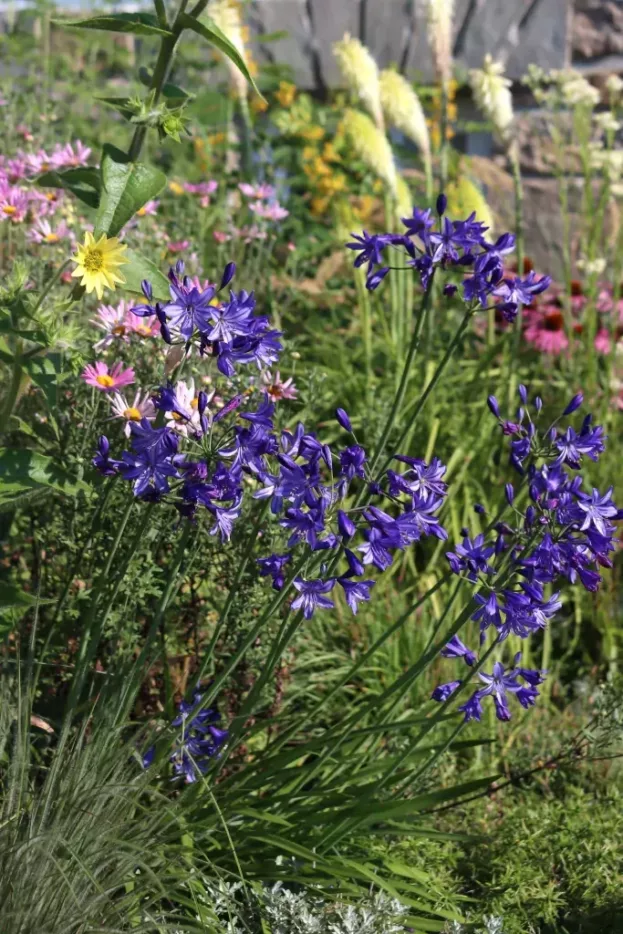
(517, 31)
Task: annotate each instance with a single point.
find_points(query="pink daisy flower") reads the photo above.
(13, 204)
(140, 407)
(201, 188)
(43, 232)
(545, 329)
(149, 208)
(257, 191)
(177, 246)
(112, 321)
(39, 162)
(144, 327)
(71, 155)
(100, 377)
(277, 388)
(220, 236)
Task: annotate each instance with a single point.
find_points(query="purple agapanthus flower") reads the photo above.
(455, 648)
(311, 595)
(355, 591)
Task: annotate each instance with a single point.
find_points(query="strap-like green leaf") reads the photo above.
(126, 187)
(209, 31)
(141, 24)
(28, 470)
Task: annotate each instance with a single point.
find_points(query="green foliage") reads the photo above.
(126, 187)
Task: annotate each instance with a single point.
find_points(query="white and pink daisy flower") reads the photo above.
(186, 419)
(101, 377)
(71, 155)
(43, 232)
(112, 320)
(140, 407)
(259, 192)
(278, 389)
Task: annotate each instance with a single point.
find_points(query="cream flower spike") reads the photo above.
(492, 95)
(372, 146)
(440, 14)
(361, 74)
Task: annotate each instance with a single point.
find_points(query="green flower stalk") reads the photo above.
(361, 74)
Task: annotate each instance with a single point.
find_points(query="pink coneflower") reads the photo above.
(71, 156)
(100, 377)
(603, 339)
(13, 204)
(277, 388)
(259, 192)
(112, 320)
(149, 208)
(140, 407)
(177, 246)
(545, 329)
(43, 232)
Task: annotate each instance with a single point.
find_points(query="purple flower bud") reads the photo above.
(374, 279)
(449, 289)
(354, 563)
(202, 402)
(179, 267)
(147, 289)
(228, 274)
(343, 419)
(538, 403)
(443, 691)
(492, 402)
(345, 524)
(575, 404)
(442, 204)
(510, 493)
(166, 334)
(480, 509)
(328, 457)
(523, 393)
(510, 428)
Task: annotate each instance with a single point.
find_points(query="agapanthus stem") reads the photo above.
(406, 372)
(429, 388)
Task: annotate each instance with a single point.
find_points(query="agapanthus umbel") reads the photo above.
(229, 331)
(457, 246)
(210, 458)
(564, 532)
(199, 741)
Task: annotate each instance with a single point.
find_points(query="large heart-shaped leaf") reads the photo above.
(24, 471)
(126, 187)
(208, 30)
(83, 182)
(141, 24)
(139, 268)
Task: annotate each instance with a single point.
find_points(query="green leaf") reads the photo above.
(11, 596)
(208, 30)
(139, 268)
(46, 373)
(171, 91)
(126, 187)
(121, 104)
(84, 183)
(141, 24)
(23, 471)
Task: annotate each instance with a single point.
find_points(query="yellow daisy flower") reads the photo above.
(97, 263)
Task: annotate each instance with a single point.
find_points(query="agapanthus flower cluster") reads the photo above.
(564, 532)
(439, 243)
(198, 743)
(205, 452)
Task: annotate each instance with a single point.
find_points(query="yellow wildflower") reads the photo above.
(176, 188)
(286, 93)
(98, 261)
(312, 133)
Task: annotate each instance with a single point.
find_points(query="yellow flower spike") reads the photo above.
(464, 197)
(97, 262)
(176, 188)
(403, 109)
